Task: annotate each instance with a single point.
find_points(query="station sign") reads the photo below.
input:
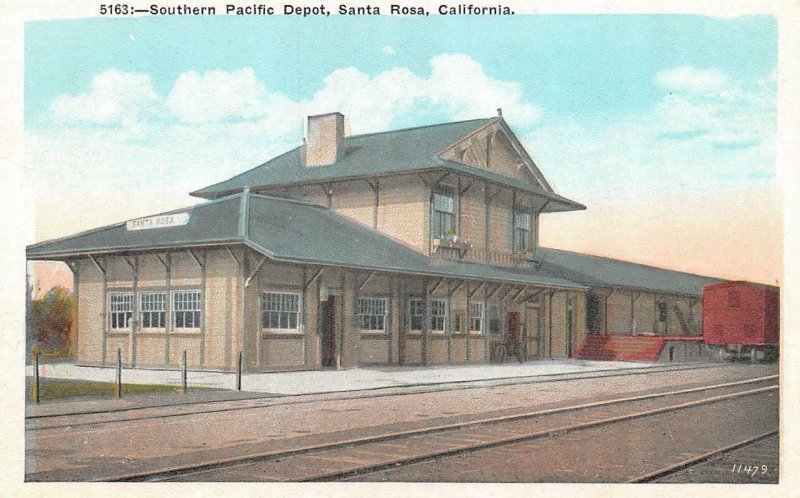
(161, 221)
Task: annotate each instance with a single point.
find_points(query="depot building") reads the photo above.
(417, 246)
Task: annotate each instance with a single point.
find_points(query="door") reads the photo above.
(511, 338)
(327, 314)
(534, 328)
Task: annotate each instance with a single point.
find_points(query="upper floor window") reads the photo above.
(372, 314)
(280, 311)
(120, 310)
(522, 232)
(443, 218)
(186, 309)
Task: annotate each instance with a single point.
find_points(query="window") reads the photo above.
(443, 219)
(416, 312)
(186, 309)
(152, 310)
(280, 311)
(371, 314)
(522, 232)
(416, 309)
(438, 315)
(120, 310)
(476, 318)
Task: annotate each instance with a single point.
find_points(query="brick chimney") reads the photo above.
(325, 135)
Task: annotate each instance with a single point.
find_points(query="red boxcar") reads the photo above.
(742, 318)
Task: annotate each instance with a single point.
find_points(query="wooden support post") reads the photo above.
(239, 373)
(135, 318)
(75, 331)
(634, 297)
(167, 262)
(403, 323)
(203, 311)
(119, 373)
(465, 322)
(550, 324)
(426, 328)
(102, 270)
(487, 203)
(450, 321)
(605, 310)
(458, 207)
(183, 374)
(513, 221)
(485, 323)
(37, 386)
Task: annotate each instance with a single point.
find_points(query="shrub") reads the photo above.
(50, 321)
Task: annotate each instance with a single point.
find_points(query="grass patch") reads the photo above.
(51, 389)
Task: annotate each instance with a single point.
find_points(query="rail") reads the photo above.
(472, 445)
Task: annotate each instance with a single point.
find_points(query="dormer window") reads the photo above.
(522, 232)
(443, 218)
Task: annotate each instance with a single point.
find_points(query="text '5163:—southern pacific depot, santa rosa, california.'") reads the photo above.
(122, 9)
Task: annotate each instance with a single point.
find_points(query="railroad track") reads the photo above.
(360, 458)
(754, 459)
(78, 418)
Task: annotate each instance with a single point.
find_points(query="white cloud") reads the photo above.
(685, 140)
(388, 49)
(115, 97)
(457, 87)
(688, 78)
(214, 125)
(217, 96)
(459, 83)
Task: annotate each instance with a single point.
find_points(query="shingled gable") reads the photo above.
(476, 140)
(406, 150)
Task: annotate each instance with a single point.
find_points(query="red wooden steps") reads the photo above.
(621, 348)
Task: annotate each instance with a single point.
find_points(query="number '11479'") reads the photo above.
(751, 470)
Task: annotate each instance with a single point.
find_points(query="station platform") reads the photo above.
(329, 381)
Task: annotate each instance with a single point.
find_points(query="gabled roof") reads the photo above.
(596, 271)
(396, 151)
(385, 153)
(284, 230)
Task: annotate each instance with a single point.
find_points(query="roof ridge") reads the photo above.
(287, 199)
(416, 127)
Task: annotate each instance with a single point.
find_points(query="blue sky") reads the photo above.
(575, 65)
(125, 116)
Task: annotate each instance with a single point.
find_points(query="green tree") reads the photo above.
(50, 321)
